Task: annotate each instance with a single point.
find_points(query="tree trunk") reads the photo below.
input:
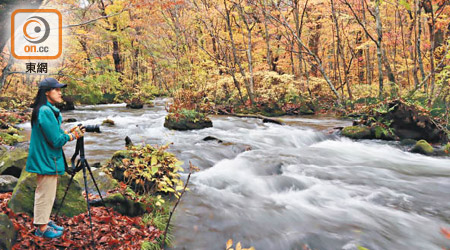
(379, 49)
(235, 56)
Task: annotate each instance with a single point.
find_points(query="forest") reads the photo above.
(374, 71)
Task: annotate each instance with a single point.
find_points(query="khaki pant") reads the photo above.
(44, 197)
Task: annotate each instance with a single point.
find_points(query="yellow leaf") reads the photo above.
(154, 161)
(238, 246)
(229, 243)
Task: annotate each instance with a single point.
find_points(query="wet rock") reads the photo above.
(104, 181)
(135, 104)
(69, 120)
(12, 160)
(211, 138)
(7, 231)
(408, 142)
(116, 160)
(121, 204)
(7, 183)
(128, 142)
(185, 124)
(357, 132)
(108, 122)
(422, 147)
(22, 199)
(408, 122)
(268, 120)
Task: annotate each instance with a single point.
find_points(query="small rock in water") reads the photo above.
(422, 147)
(108, 122)
(128, 142)
(69, 120)
(211, 138)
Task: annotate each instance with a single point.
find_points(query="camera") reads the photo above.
(91, 128)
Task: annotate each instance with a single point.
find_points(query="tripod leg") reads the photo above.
(95, 183)
(64, 197)
(87, 201)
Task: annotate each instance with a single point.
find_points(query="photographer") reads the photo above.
(45, 156)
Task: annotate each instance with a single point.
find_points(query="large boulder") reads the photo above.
(7, 183)
(357, 132)
(7, 231)
(409, 122)
(122, 204)
(12, 161)
(422, 147)
(103, 180)
(22, 199)
(186, 124)
(135, 103)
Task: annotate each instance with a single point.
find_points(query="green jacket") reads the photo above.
(47, 157)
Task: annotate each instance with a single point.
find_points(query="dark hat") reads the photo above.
(48, 83)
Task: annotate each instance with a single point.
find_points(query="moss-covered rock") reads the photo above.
(7, 232)
(103, 180)
(379, 132)
(122, 204)
(22, 199)
(12, 161)
(422, 147)
(10, 136)
(186, 124)
(357, 132)
(7, 183)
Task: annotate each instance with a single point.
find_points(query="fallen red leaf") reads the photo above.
(111, 230)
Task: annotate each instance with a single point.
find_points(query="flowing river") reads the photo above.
(287, 187)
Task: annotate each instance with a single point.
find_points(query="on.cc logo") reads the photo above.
(36, 34)
(42, 25)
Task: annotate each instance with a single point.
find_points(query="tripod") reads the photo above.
(82, 164)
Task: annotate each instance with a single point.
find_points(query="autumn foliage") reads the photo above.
(111, 230)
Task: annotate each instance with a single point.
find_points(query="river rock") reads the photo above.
(12, 160)
(103, 180)
(184, 124)
(108, 122)
(211, 138)
(7, 183)
(408, 122)
(408, 142)
(135, 103)
(70, 120)
(7, 231)
(22, 199)
(422, 147)
(122, 204)
(357, 132)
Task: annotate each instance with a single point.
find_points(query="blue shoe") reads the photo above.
(50, 232)
(56, 227)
